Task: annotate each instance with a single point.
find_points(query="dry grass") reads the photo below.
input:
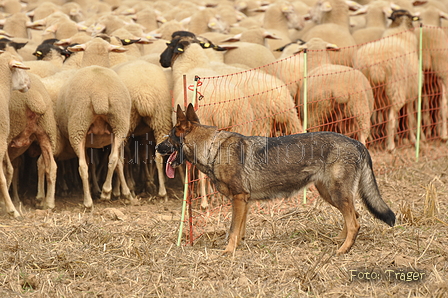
(119, 250)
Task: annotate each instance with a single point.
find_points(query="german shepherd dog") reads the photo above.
(246, 168)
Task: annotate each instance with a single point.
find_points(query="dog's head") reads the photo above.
(174, 143)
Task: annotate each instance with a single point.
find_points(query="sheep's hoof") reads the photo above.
(105, 196)
(88, 203)
(15, 214)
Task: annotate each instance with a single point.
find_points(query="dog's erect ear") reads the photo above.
(191, 114)
(182, 121)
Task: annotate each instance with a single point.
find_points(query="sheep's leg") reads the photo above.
(391, 128)
(9, 169)
(444, 114)
(10, 209)
(411, 121)
(161, 175)
(148, 169)
(15, 181)
(112, 165)
(128, 173)
(364, 125)
(93, 159)
(50, 168)
(125, 191)
(84, 173)
(40, 180)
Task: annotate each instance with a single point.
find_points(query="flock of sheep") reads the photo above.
(97, 74)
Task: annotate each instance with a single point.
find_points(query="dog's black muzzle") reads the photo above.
(165, 147)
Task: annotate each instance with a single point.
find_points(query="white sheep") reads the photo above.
(279, 17)
(151, 103)
(392, 62)
(435, 61)
(332, 25)
(32, 119)
(377, 13)
(336, 92)
(246, 53)
(206, 20)
(17, 25)
(96, 52)
(14, 77)
(93, 110)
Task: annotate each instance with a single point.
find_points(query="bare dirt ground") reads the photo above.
(129, 250)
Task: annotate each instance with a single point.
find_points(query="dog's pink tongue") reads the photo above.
(169, 169)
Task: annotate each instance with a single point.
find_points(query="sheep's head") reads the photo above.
(402, 17)
(19, 77)
(316, 44)
(178, 44)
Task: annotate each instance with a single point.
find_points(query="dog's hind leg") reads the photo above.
(344, 203)
(240, 208)
(351, 225)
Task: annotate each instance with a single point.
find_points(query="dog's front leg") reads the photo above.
(240, 208)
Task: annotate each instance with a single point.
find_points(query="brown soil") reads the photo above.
(122, 249)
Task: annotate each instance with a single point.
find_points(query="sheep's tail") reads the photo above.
(100, 105)
(377, 74)
(370, 194)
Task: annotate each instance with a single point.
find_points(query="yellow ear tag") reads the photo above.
(207, 45)
(39, 53)
(127, 40)
(415, 18)
(180, 49)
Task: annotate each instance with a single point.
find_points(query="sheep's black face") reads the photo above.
(174, 48)
(167, 55)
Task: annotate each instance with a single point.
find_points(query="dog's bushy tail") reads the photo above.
(370, 194)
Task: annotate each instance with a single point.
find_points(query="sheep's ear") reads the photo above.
(301, 48)
(77, 48)
(225, 47)
(326, 6)
(180, 48)
(128, 41)
(353, 6)
(443, 15)
(332, 47)
(191, 114)
(234, 38)
(17, 45)
(116, 49)
(361, 11)
(269, 35)
(206, 45)
(419, 2)
(18, 64)
(280, 49)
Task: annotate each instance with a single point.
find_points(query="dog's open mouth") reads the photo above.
(171, 164)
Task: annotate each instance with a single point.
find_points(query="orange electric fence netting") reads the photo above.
(373, 98)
